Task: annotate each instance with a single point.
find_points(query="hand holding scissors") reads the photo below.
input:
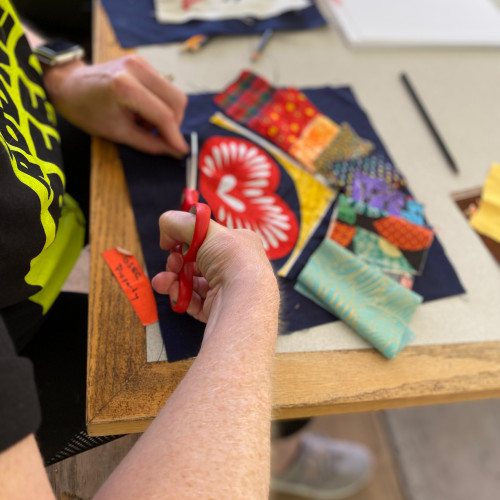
(189, 203)
(231, 264)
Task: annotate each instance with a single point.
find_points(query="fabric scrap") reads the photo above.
(486, 219)
(376, 165)
(244, 99)
(182, 11)
(379, 234)
(238, 179)
(284, 117)
(134, 25)
(404, 234)
(380, 252)
(342, 233)
(376, 193)
(375, 306)
(288, 119)
(320, 132)
(346, 145)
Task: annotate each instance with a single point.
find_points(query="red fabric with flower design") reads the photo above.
(238, 180)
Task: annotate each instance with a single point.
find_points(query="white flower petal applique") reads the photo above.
(239, 180)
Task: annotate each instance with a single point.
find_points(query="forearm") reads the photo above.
(22, 475)
(212, 438)
(53, 76)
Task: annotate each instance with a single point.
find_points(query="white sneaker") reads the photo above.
(325, 469)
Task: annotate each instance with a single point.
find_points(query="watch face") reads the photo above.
(58, 52)
(58, 46)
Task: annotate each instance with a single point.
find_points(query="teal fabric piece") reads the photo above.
(375, 306)
(374, 250)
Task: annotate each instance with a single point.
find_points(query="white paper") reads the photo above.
(181, 11)
(417, 22)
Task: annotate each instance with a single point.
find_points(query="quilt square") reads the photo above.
(393, 243)
(156, 183)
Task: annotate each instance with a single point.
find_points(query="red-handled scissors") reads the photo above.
(190, 194)
(189, 203)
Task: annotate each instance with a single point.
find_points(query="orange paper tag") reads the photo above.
(134, 283)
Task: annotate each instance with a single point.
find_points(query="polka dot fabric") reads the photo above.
(283, 119)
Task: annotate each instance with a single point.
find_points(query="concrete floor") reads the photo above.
(448, 452)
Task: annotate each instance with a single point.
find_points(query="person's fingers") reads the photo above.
(143, 140)
(175, 262)
(163, 281)
(200, 286)
(195, 307)
(176, 226)
(135, 96)
(196, 303)
(158, 85)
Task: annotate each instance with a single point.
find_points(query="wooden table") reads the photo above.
(124, 392)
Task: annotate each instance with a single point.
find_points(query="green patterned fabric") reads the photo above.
(378, 251)
(375, 306)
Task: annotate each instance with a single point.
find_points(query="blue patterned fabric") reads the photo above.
(375, 306)
(135, 24)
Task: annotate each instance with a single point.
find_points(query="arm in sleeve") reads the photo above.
(19, 407)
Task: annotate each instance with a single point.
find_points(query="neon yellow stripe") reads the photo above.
(55, 263)
(50, 268)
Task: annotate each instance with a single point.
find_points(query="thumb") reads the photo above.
(177, 226)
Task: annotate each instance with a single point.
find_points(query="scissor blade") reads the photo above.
(192, 163)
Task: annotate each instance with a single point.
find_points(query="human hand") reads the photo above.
(125, 100)
(231, 266)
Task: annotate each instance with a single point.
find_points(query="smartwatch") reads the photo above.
(58, 52)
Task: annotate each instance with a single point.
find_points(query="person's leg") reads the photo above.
(285, 443)
(315, 466)
(59, 355)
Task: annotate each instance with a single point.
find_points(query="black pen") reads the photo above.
(429, 123)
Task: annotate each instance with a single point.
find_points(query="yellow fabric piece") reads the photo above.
(314, 198)
(487, 218)
(55, 263)
(389, 249)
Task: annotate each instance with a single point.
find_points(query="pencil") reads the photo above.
(428, 121)
(262, 43)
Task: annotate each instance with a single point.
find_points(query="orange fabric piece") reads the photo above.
(318, 134)
(134, 283)
(404, 234)
(342, 233)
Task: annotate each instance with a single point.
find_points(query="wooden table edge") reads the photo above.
(124, 393)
